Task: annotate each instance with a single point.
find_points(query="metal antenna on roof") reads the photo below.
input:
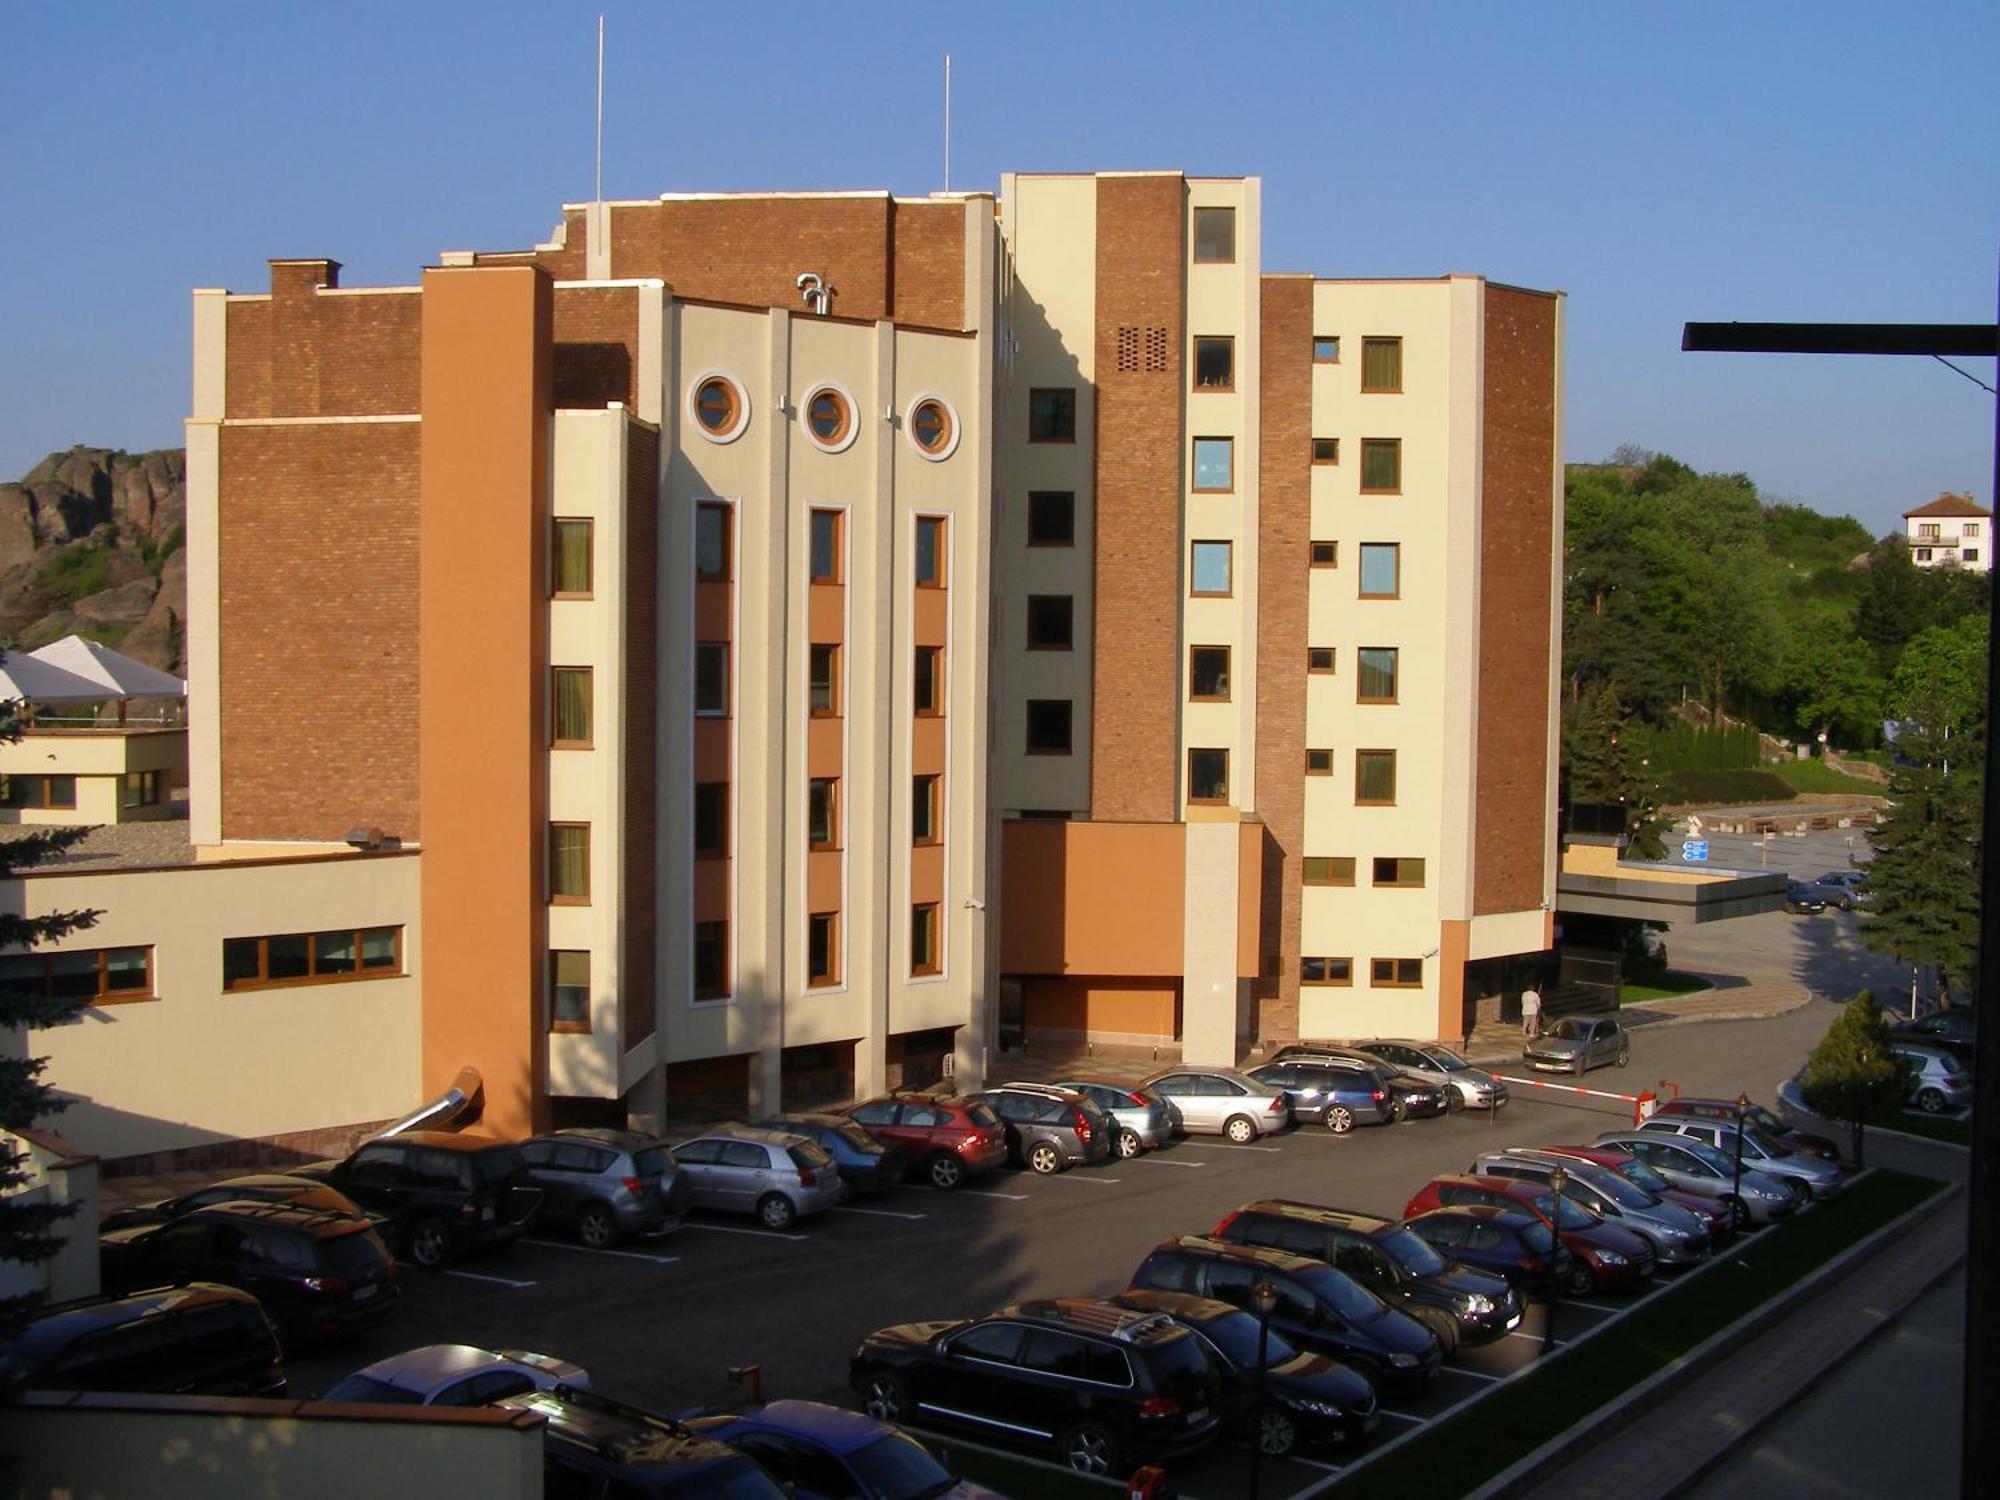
(597, 193)
(947, 122)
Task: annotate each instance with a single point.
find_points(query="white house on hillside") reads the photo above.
(1951, 532)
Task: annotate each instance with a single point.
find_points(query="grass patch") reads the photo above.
(1930, 1127)
(1461, 1452)
(1721, 788)
(1667, 986)
(1818, 776)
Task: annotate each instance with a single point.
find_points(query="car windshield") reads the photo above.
(1565, 1030)
(361, 1386)
(737, 1479)
(1346, 1297)
(1236, 1337)
(1706, 1154)
(653, 1161)
(898, 1468)
(1412, 1253)
(1445, 1059)
(808, 1156)
(1573, 1216)
(983, 1114)
(1536, 1238)
(860, 1140)
(1618, 1190)
(1640, 1175)
(355, 1255)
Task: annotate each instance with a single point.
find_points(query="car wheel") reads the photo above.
(1275, 1433)
(1090, 1449)
(429, 1243)
(1128, 1145)
(597, 1227)
(1339, 1119)
(1044, 1160)
(884, 1399)
(1443, 1324)
(776, 1211)
(1240, 1129)
(945, 1171)
(1739, 1212)
(1576, 1065)
(1932, 1101)
(1454, 1101)
(1624, 1056)
(1578, 1281)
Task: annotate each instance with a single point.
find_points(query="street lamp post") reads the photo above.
(1263, 1299)
(1737, 1212)
(1558, 1180)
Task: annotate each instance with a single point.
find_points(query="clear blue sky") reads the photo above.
(1697, 160)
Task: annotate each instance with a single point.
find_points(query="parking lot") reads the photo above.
(660, 1322)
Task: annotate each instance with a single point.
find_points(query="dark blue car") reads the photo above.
(1508, 1242)
(866, 1165)
(1339, 1093)
(825, 1452)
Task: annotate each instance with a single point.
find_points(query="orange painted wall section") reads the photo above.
(484, 474)
(932, 621)
(1454, 942)
(1094, 1007)
(1249, 899)
(1091, 898)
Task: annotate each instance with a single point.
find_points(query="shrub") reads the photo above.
(1852, 1075)
(1727, 786)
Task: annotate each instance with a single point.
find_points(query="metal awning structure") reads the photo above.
(1631, 894)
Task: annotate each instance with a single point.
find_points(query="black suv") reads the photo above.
(318, 1274)
(198, 1340)
(441, 1193)
(1106, 1387)
(1050, 1128)
(271, 1187)
(1456, 1303)
(594, 1447)
(1319, 1309)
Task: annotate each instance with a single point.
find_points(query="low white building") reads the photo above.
(1951, 532)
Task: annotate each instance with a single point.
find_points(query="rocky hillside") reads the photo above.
(91, 544)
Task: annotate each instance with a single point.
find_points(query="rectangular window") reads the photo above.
(1923, 554)
(1052, 414)
(929, 566)
(1214, 236)
(1325, 554)
(38, 791)
(1326, 451)
(927, 697)
(569, 561)
(1319, 762)
(711, 960)
(140, 789)
(1381, 570)
(926, 809)
(1381, 466)
(1381, 365)
(1970, 528)
(1214, 465)
(1374, 778)
(1396, 973)
(1328, 869)
(711, 677)
(99, 976)
(1326, 971)
(1971, 554)
(711, 543)
(1394, 870)
(823, 681)
(59, 791)
(823, 547)
(569, 864)
(1208, 776)
(1928, 530)
(1051, 518)
(924, 938)
(711, 819)
(1214, 364)
(250, 963)
(1375, 674)
(1319, 659)
(1326, 349)
(570, 690)
(1208, 569)
(1049, 726)
(823, 948)
(823, 812)
(1051, 622)
(1208, 674)
(569, 989)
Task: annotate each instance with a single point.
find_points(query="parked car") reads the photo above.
(456, 1375)
(1678, 1238)
(865, 1164)
(1049, 1128)
(1715, 1218)
(1817, 1177)
(1319, 1309)
(1105, 1388)
(947, 1138)
(1338, 1093)
(440, 1193)
(1603, 1257)
(1221, 1101)
(318, 1274)
(1144, 1120)
(602, 1185)
(1576, 1044)
(1938, 1081)
(1696, 1168)
(1421, 1095)
(1458, 1305)
(1507, 1242)
(1803, 900)
(775, 1175)
(1786, 1135)
(273, 1187)
(594, 1446)
(1477, 1088)
(1299, 1400)
(1842, 888)
(1950, 1031)
(195, 1340)
(821, 1452)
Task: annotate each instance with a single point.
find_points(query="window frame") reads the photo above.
(1361, 671)
(140, 789)
(102, 957)
(556, 1021)
(1314, 770)
(829, 923)
(829, 651)
(1068, 640)
(1229, 563)
(924, 918)
(557, 740)
(913, 421)
(1364, 758)
(1328, 977)
(720, 849)
(934, 655)
(722, 511)
(1068, 746)
(728, 686)
(1332, 358)
(358, 975)
(15, 785)
(1228, 345)
(1337, 872)
(556, 589)
(1322, 661)
(835, 520)
(927, 792)
(1222, 798)
(1194, 676)
(1326, 452)
(1395, 551)
(1052, 430)
(1322, 554)
(1068, 538)
(823, 800)
(1393, 446)
(939, 576)
(714, 931)
(568, 898)
(1195, 485)
(1400, 872)
(849, 428)
(1398, 967)
(1216, 211)
(739, 406)
(1381, 341)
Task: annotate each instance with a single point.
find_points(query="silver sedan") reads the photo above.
(1222, 1101)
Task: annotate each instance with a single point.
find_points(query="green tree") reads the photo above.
(1830, 683)
(1605, 767)
(1852, 1076)
(1940, 680)
(1923, 883)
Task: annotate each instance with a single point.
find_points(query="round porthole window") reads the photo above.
(932, 426)
(718, 406)
(829, 417)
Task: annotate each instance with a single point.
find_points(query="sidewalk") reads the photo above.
(1734, 998)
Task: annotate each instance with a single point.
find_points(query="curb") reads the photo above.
(1627, 1408)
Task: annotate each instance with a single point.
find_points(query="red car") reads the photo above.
(1603, 1258)
(1709, 1210)
(947, 1138)
(1724, 1110)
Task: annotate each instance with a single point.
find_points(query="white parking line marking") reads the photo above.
(658, 1260)
(496, 1280)
(1533, 1338)
(762, 1234)
(878, 1213)
(1403, 1416)
(1314, 1463)
(1229, 1146)
(975, 1193)
(1092, 1177)
(1154, 1161)
(1473, 1374)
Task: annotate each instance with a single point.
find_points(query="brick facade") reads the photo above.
(304, 354)
(596, 346)
(928, 289)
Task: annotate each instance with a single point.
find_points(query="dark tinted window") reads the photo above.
(996, 1341)
(1166, 1272)
(1536, 1237)
(809, 1156)
(654, 1161)
(1485, 1237)
(359, 1387)
(897, 1465)
(1447, 1231)
(538, 1153)
(353, 1255)
(875, 1112)
(745, 1154)
(981, 1115)
(700, 1153)
(1055, 1353)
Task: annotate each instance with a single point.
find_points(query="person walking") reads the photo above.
(1531, 1013)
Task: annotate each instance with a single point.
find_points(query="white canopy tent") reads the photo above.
(113, 674)
(33, 681)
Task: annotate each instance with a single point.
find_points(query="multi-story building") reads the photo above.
(759, 648)
(1950, 532)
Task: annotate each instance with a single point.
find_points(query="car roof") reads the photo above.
(422, 1368)
(737, 1131)
(1185, 1307)
(1512, 1186)
(834, 1428)
(1277, 1260)
(616, 1431)
(57, 1325)
(1040, 1090)
(1192, 1068)
(617, 1140)
(1509, 1217)
(1092, 1316)
(1602, 1156)
(1291, 1208)
(320, 1223)
(805, 1117)
(442, 1140)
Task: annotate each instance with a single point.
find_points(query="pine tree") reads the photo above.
(1852, 1075)
(1606, 768)
(1923, 884)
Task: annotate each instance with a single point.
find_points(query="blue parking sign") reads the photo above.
(1695, 851)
